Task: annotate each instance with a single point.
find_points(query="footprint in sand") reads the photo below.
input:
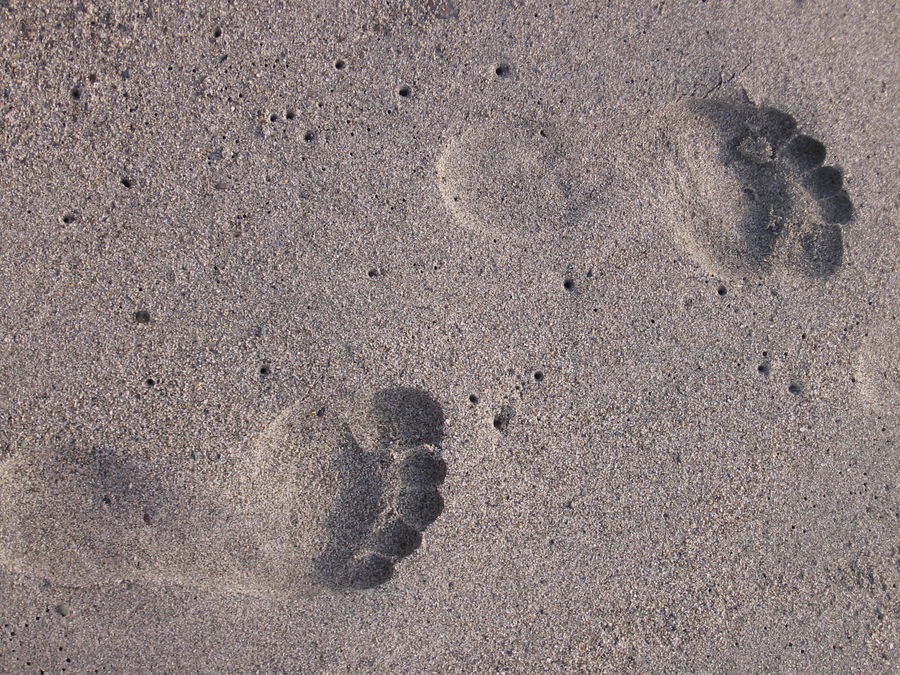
(746, 193)
(330, 495)
(374, 496)
(508, 177)
(877, 373)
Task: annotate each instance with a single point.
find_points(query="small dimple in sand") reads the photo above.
(331, 495)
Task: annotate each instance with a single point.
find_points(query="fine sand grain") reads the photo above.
(449, 336)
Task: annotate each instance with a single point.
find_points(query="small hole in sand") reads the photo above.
(538, 376)
(290, 114)
(142, 316)
(721, 290)
(273, 117)
(568, 284)
(503, 70)
(794, 388)
(763, 368)
(127, 182)
(68, 218)
(217, 33)
(340, 64)
(150, 382)
(373, 273)
(309, 136)
(503, 418)
(405, 92)
(76, 93)
(473, 399)
(264, 370)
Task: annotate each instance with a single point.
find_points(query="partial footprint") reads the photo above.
(878, 375)
(745, 193)
(331, 495)
(391, 497)
(508, 178)
(878, 360)
(74, 515)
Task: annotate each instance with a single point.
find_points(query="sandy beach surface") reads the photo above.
(449, 336)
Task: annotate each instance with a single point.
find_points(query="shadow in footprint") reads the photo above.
(754, 192)
(749, 153)
(354, 514)
(408, 417)
(391, 494)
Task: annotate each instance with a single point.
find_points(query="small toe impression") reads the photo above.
(823, 182)
(837, 209)
(408, 417)
(423, 468)
(370, 571)
(419, 505)
(804, 153)
(395, 540)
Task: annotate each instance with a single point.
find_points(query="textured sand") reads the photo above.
(447, 336)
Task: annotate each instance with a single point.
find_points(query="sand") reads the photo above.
(446, 336)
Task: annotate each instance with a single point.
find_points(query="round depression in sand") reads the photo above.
(505, 177)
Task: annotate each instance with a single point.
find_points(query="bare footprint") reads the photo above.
(877, 374)
(392, 491)
(509, 178)
(328, 496)
(746, 194)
